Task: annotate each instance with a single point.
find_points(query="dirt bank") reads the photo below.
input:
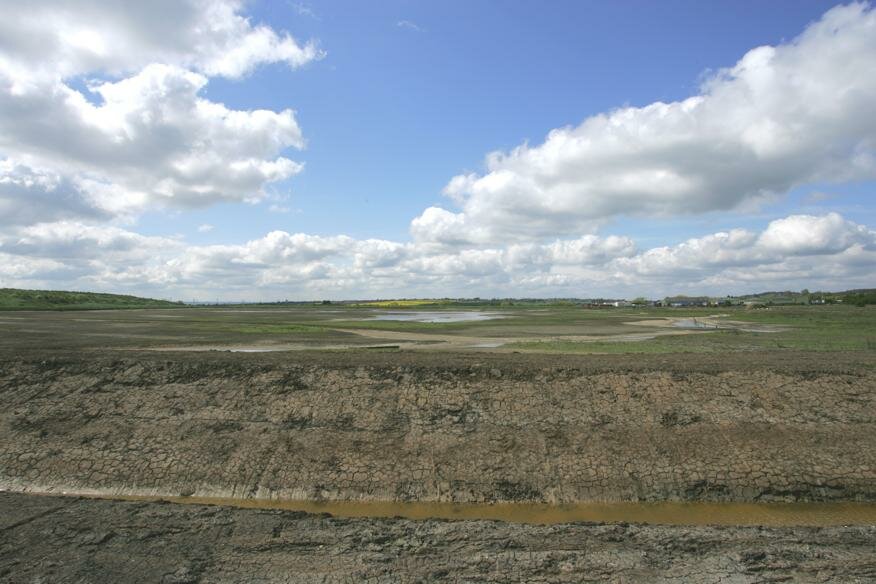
(449, 428)
(60, 540)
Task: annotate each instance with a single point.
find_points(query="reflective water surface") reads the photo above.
(666, 513)
(692, 323)
(442, 316)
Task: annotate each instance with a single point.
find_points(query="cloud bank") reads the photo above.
(103, 117)
(807, 250)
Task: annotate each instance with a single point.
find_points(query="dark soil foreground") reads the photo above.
(60, 539)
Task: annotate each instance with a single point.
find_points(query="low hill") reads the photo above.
(858, 297)
(15, 299)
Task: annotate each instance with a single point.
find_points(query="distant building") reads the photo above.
(685, 301)
(784, 300)
(605, 303)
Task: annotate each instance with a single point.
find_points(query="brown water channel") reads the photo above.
(665, 513)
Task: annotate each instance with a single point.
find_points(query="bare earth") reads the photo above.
(416, 426)
(469, 428)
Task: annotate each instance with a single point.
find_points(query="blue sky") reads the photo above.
(391, 101)
(392, 112)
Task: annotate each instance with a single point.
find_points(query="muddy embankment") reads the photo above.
(458, 428)
(60, 540)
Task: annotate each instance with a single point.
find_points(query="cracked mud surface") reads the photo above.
(422, 427)
(459, 428)
(60, 540)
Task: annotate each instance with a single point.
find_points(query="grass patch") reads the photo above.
(820, 328)
(403, 326)
(279, 329)
(399, 303)
(594, 347)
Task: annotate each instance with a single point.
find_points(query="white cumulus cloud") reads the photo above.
(141, 135)
(797, 247)
(782, 116)
(53, 39)
(798, 250)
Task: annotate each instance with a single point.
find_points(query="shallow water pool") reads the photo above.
(436, 316)
(663, 513)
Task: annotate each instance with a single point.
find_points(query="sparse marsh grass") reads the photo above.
(278, 329)
(812, 328)
(548, 329)
(401, 303)
(400, 325)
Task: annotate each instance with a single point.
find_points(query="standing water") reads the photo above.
(436, 316)
(664, 513)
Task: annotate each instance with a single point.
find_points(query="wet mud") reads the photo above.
(67, 540)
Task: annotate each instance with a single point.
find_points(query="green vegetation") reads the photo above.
(402, 325)
(595, 347)
(14, 299)
(400, 303)
(856, 297)
(540, 326)
(278, 329)
(413, 303)
(815, 328)
(557, 329)
(860, 298)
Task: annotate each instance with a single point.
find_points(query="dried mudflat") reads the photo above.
(420, 427)
(454, 428)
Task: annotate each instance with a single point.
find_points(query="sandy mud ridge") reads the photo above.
(795, 427)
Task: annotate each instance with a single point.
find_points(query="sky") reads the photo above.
(226, 150)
